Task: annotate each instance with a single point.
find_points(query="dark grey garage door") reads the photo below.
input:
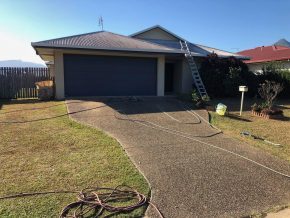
(88, 75)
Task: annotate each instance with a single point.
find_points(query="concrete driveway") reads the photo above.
(188, 178)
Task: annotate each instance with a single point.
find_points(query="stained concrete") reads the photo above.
(188, 178)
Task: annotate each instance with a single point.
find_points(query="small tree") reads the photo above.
(269, 91)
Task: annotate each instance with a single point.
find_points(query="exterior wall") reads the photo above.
(160, 75)
(186, 78)
(59, 68)
(59, 75)
(257, 67)
(156, 34)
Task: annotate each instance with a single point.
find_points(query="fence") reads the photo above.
(18, 82)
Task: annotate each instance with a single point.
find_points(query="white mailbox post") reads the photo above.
(242, 89)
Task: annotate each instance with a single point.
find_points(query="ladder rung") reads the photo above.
(194, 70)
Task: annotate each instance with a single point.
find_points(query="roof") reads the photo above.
(267, 53)
(103, 40)
(196, 49)
(282, 42)
(157, 27)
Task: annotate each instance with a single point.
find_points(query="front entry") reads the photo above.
(169, 78)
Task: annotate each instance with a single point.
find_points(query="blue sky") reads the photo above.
(225, 24)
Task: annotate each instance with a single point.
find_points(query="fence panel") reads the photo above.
(19, 82)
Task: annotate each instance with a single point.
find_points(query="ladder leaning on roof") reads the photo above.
(194, 70)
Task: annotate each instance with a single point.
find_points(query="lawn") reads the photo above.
(277, 131)
(56, 154)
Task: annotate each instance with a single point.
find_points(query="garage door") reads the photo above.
(88, 75)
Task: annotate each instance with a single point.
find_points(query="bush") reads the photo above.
(275, 71)
(223, 76)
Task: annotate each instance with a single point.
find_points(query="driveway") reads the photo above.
(188, 177)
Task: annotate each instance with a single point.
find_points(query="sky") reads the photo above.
(225, 24)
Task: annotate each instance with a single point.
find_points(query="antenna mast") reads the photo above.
(101, 23)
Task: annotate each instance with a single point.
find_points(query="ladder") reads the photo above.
(194, 70)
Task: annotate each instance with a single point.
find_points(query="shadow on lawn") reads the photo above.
(236, 117)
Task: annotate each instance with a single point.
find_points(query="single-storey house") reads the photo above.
(261, 56)
(147, 63)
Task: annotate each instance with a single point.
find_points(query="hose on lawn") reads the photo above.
(94, 202)
(48, 118)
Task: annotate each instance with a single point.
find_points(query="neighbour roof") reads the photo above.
(282, 42)
(267, 53)
(103, 40)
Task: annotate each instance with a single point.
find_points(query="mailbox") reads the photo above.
(243, 88)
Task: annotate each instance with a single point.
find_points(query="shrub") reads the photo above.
(199, 101)
(275, 71)
(223, 76)
(269, 91)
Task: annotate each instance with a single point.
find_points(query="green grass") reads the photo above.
(277, 131)
(56, 154)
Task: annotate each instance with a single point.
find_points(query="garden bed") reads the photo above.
(267, 116)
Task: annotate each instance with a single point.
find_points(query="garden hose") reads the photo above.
(48, 118)
(177, 120)
(152, 125)
(246, 133)
(93, 202)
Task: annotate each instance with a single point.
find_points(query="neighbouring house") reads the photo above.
(147, 63)
(260, 56)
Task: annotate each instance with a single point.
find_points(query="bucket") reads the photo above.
(221, 109)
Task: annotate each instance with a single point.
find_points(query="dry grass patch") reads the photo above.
(277, 131)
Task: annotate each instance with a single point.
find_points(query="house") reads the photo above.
(260, 56)
(147, 63)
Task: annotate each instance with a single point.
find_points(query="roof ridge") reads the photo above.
(137, 39)
(160, 27)
(267, 46)
(236, 53)
(65, 37)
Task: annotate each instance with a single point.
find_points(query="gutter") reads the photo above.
(36, 45)
(160, 51)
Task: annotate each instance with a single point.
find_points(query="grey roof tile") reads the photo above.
(105, 41)
(196, 50)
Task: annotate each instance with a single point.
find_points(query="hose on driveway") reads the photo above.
(152, 125)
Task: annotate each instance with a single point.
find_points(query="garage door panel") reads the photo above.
(87, 75)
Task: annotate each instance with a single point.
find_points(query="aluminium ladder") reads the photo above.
(194, 70)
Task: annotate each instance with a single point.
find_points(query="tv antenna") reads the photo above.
(101, 23)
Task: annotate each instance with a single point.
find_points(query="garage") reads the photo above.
(90, 75)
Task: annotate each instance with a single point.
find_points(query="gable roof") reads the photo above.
(107, 41)
(267, 53)
(103, 40)
(196, 49)
(157, 27)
